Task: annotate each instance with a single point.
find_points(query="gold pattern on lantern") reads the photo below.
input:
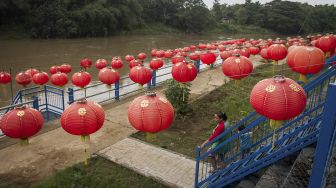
(81, 111)
(163, 99)
(294, 88)
(144, 103)
(237, 60)
(270, 88)
(20, 113)
(189, 66)
(178, 64)
(138, 68)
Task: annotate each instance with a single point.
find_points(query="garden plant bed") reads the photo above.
(185, 135)
(99, 173)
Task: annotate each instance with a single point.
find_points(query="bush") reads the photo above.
(178, 97)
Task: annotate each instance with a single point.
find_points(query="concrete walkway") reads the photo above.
(171, 169)
(54, 150)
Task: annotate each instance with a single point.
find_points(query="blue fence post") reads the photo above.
(197, 64)
(154, 78)
(325, 141)
(198, 153)
(71, 95)
(35, 102)
(46, 101)
(116, 90)
(20, 95)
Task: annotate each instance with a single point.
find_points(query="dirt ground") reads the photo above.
(55, 149)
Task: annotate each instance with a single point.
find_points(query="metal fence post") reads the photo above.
(116, 90)
(46, 101)
(197, 64)
(154, 78)
(35, 102)
(325, 141)
(70, 95)
(198, 153)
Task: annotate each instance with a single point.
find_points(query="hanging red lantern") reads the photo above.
(101, 63)
(83, 118)
(23, 79)
(21, 122)
(254, 50)
(153, 53)
(192, 47)
(5, 78)
(168, 54)
(160, 54)
(140, 74)
(221, 48)
(202, 46)
(225, 54)
(134, 63)
(263, 54)
(277, 52)
(184, 72)
(156, 63)
(194, 56)
(32, 72)
(108, 76)
(65, 68)
(186, 49)
(116, 63)
(237, 67)
(150, 113)
(208, 58)
(278, 98)
(292, 48)
(41, 78)
(142, 56)
(129, 58)
(306, 60)
(81, 79)
(326, 44)
(177, 58)
(86, 63)
(245, 52)
(54, 69)
(59, 79)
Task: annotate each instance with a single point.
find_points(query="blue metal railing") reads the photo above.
(261, 137)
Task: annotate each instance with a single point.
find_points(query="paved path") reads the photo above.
(172, 169)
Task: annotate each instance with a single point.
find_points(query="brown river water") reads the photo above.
(19, 55)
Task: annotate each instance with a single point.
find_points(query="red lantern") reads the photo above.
(116, 63)
(81, 79)
(277, 52)
(23, 79)
(101, 63)
(194, 56)
(150, 113)
(59, 79)
(192, 47)
(155, 64)
(32, 72)
(54, 69)
(202, 46)
(208, 58)
(129, 58)
(134, 63)
(245, 52)
(21, 122)
(142, 56)
(254, 50)
(225, 54)
(160, 53)
(168, 54)
(306, 60)
(83, 118)
(153, 52)
(263, 53)
(326, 44)
(237, 67)
(278, 98)
(184, 72)
(5, 78)
(41, 78)
(86, 63)
(65, 68)
(177, 59)
(108, 76)
(140, 74)
(221, 48)
(292, 48)
(186, 49)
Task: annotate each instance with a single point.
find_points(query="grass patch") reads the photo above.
(184, 136)
(99, 173)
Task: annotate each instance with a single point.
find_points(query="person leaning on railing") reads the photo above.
(221, 119)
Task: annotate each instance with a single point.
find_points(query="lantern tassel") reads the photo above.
(275, 124)
(140, 87)
(85, 138)
(303, 78)
(150, 136)
(237, 82)
(327, 55)
(24, 141)
(85, 156)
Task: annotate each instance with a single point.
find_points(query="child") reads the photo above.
(245, 142)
